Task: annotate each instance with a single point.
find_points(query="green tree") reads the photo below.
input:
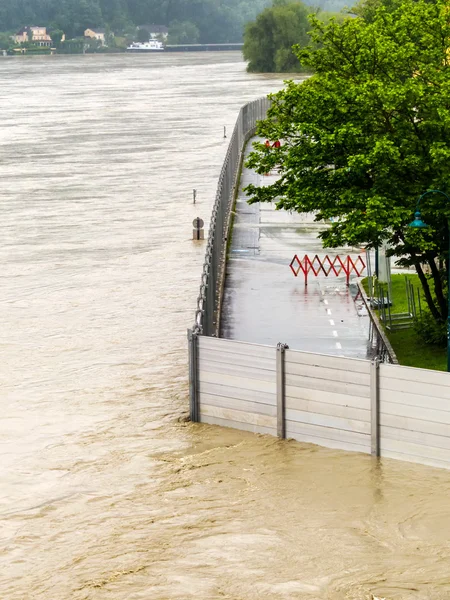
(87, 13)
(268, 41)
(367, 9)
(115, 14)
(183, 32)
(367, 134)
(73, 46)
(143, 35)
(5, 41)
(56, 35)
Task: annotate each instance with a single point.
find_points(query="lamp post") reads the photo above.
(419, 224)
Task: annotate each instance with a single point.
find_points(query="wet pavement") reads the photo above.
(265, 303)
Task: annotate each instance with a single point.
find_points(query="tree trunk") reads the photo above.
(442, 303)
(426, 290)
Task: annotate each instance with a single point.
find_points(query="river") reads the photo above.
(106, 492)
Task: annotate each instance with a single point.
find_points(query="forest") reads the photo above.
(195, 21)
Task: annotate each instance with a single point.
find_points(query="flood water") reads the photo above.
(105, 491)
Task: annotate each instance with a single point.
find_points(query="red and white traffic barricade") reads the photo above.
(334, 265)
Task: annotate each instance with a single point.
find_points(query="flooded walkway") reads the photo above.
(264, 303)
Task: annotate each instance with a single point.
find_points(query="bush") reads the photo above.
(430, 331)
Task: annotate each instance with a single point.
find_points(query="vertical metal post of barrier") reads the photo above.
(211, 292)
(194, 411)
(375, 407)
(213, 278)
(281, 392)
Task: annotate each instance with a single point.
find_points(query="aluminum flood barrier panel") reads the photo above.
(237, 388)
(415, 415)
(328, 400)
(336, 402)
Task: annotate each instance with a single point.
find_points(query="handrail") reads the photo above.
(209, 299)
(382, 346)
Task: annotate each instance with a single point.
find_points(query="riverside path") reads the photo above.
(264, 303)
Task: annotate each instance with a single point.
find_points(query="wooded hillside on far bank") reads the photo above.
(199, 21)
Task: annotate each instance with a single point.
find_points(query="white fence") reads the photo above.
(343, 403)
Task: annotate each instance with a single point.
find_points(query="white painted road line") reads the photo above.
(325, 301)
(332, 322)
(328, 311)
(335, 333)
(338, 346)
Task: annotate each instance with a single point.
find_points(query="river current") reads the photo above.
(106, 492)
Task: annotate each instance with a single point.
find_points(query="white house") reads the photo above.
(156, 31)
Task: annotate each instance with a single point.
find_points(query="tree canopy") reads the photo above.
(367, 134)
(183, 32)
(268, 41)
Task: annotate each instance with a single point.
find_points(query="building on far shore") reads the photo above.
(34, 35)
(96, 34)
(157, 32)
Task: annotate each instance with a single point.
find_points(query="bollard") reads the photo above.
(194, 195)
(224, 131)
(198, 233)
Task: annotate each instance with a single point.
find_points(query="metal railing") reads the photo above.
(211, 287)
(379, 344)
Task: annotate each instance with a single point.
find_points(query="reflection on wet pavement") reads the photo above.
(263, 301)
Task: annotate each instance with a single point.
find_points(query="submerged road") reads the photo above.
(264, 303)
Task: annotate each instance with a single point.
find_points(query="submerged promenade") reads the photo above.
(264, 303)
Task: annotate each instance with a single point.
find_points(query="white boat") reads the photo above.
(150, 46)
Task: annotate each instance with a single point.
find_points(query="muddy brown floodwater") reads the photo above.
(105, 492)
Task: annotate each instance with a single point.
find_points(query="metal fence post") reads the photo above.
(193, 376)
(375, 407)
(281, 420)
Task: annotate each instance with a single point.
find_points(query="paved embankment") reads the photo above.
(263, 301)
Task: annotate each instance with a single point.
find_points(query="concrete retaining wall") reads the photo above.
(342, 403)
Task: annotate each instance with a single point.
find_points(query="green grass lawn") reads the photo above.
(408, 346)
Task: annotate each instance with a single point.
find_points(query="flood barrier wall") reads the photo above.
(349, 404)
